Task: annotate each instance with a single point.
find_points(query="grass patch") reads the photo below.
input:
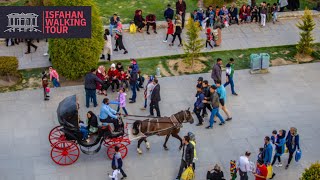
(31, 79)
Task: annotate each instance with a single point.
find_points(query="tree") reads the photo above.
(305, 45)
(194, 43)
(311, 173)
(74, 57)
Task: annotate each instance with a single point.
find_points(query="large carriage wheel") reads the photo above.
(122, 139)
(122, 149)
(65, 153)
(56, 135)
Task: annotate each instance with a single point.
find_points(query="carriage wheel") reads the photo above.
(122, 139)
(122, 149)
(65, 153)
(56, 135)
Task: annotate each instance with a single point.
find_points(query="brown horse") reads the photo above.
(163, 126)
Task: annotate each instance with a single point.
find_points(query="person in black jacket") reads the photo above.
(206, 92)
(29, 44)
(187, 155)
(155, 98)
(92, 122)
(113, 23)
(90, 81)
(133, 84)
(215, 173)
(168, 13)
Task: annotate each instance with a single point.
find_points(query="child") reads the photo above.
(84, 131)
(45, 86)
(254, 14)
(274, 136)
(248, 11)
(170, 29)
(123, 78)
(209, 37)
(122, 101)
(274, 13)
(115, 173)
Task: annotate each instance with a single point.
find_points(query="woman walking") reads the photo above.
(292, 143)
(107, 50)
(279, 143)
(54, 77)
(178, 31)
(118, 38)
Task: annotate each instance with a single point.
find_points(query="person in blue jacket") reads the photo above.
(280, 142)
(292, 143)
(198, 105)
(267, 151)
(108, 115)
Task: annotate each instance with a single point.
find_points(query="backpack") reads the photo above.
(132, 28)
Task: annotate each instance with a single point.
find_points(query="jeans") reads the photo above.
(111, 28)
(231, 84)
(197, 112)
(84, 131)
(134, 91)
(115, 81)
(263, 19)
(124, 110)
(275, 157)
(274, 17)
(91, 93)
(55, 82)
(215, 112)
(145, 103)
(154, 104)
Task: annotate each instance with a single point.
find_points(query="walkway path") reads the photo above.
(142, 45)
(283, 98)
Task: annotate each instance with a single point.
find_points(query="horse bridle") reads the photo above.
(184, 117)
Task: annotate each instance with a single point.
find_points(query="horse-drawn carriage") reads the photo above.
(66, 139)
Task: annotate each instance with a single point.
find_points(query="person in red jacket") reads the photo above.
(209, 37)
(123, 78)
(113, 76)
(261, 171)
(170, 29)
(151, 21)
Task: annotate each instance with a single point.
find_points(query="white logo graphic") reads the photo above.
(22, 22)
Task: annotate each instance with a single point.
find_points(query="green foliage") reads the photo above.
(194, 43)
(8, 65)
(305, 45)
(74, 57)
(312, 173)
(214, 3)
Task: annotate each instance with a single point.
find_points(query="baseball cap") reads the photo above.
(200, 79)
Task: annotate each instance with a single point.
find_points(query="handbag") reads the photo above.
(269, 172)
(297, 157)
(188, 174)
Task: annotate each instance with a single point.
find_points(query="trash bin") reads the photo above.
(265, 60)
(255, 61)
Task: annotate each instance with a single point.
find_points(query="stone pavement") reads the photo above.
(142, 45)
(283, 98)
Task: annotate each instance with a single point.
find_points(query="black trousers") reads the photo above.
(29, 44)
(206, 106)
(254, 17)
(290, 157)
(275, 157)
(154, 105)
(183, 165)
(183, 19)
(243, 175)
(197, 112)
(208, 42)
(113, 121)
(122, 172)
(174, 38)
(168, 36)
(154, 26)
(115, 81)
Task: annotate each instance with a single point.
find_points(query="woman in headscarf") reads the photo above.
(118, 38)
(139, 21)
(215, 173)
(280, 148)
(92, 122)
(101, 74)
(178, 31)
(107, 49)
(292, 143)
(217, 33)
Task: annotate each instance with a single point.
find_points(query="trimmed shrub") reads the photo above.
(8, 65)
(305, 45)
(312, 173)
(213, 3)
(73, 58)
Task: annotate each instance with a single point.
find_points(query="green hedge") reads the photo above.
(213, 3)
(73, 58)
(8, 65)
(312, 173)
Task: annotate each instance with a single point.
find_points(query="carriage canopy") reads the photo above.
(67, 112)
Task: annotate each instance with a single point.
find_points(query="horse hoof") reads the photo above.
(148, 145)
(139, 151)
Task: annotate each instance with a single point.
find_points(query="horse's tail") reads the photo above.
(136, 127)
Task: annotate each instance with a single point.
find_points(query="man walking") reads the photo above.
(181, 6)
(206, 92)
(133, 84)
(216, 71)
(223, 98)
(90, 81)
(29, 44)
(198, 105)
(168, 13)
(187, 155)
(214, 101)
(229, 76)
(267, 151)
(117, 162)
(155, 98)
(244, 166)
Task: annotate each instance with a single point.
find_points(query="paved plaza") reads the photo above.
(287, 96)
(142, 45)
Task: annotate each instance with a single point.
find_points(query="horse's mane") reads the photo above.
(135, 127)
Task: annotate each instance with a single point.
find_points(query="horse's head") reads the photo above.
(136, 127)
(185, 116)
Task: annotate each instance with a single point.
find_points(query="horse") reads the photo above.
(162, 126)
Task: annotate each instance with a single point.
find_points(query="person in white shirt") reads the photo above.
(243, 166)
(115, 173)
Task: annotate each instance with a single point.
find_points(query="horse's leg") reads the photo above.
(176, 135)
(139, 142)
(147, 143)
(165, 142)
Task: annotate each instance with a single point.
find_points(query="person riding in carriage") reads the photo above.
(109, 115)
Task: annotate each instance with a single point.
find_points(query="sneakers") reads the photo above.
(164, 41)
(229, 119)
(235, 94)
(171, 44)
(132, 102)
(287, 166)
(221, 124)
(279, 164)
(125, 52)
(209, 127)
(199, 124)
(143, 108)
(180, 45)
